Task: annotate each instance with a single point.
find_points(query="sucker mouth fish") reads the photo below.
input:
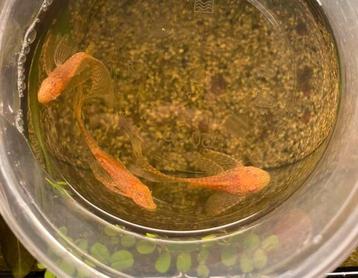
(238, 179)
(116, 177)
(69, 74)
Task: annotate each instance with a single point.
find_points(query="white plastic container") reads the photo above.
(329, 199)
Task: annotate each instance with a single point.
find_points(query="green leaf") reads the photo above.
(145, 247)
(81, 273)
(128, 241)
(260, 259)
(58, 185)
(67, 267)
(82, 244)
(151, 235)
(208, 237)
(122, 260)
(251, 242)
(162, 264)
(229, 256)
(246, 264)
(109, 231)
(208, 240)
(100, 252)
(270, 243)
(17, 258)
(49, 274)
(203, 271)
(40, 266)
(183, 262)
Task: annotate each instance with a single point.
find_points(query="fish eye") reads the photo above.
(140, 194)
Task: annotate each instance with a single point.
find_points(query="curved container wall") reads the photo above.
(328, 200)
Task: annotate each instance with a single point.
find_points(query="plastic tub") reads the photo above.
(316, 227)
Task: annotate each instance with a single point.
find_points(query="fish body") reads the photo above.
(112, 173)
(239, 180)
(121, 179)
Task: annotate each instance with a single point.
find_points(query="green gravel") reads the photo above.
(230, 81)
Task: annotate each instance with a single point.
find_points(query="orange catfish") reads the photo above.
(118, 178)
(237, 180)
(76, 70)
(61, 77)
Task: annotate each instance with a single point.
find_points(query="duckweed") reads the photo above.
(82, 244)
(270, 243)
(150, 235)
(145, 247)
(208, 237)
(109, 231)
(184, 262)
(209, 240)
(49, 275)
(128, 241)
(255, 254)
(67, 267)
(162, 264)
(122, 260)
(246, 263)
(40, 266)
(251, 242)
(229, 256)
(100, 252)
(202, 271)
(260, 259)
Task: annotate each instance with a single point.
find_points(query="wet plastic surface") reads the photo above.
(316, 226)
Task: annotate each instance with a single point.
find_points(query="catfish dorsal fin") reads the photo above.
(47, 53)
(102, 84)
(208, 166)
(63, 51)
(226, 161)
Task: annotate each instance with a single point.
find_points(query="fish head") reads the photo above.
(50, 89)
(254, 179)
(142, 196)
